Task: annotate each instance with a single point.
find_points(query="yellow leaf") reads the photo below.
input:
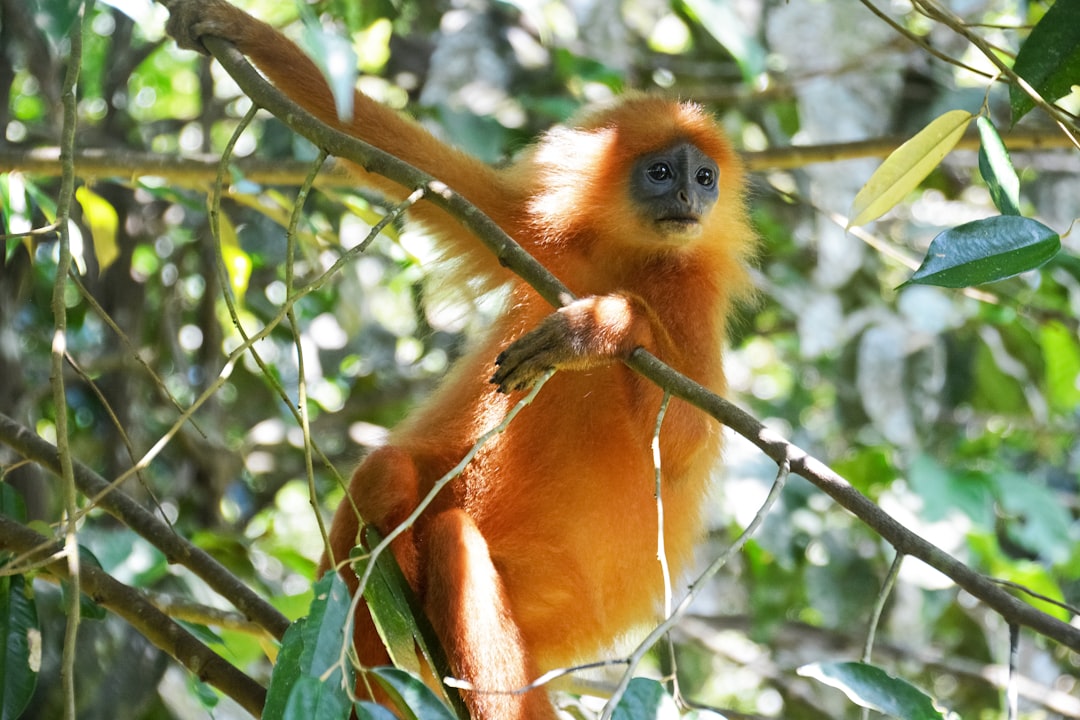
(103, 222)
(237, 262)
(907, 166)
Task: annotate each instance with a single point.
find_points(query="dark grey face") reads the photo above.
(675, 188)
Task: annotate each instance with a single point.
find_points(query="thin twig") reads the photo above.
(783, 471)
(69, 97)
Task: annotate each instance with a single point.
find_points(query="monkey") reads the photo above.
(543, 551)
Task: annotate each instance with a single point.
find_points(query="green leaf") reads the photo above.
(324, 637)
(286, 672)
(1049, 59)
(103, 221)
(945, 492)
(12, 504)
(399, 617)
(88, 608)
(313, 699)
(238, 263)
(391, 613)
(871, 687)
(1061, 352)
(21, 656)
(645, 699)
(57, 16)
(313, 647)
(1033, 516)
(370, 711)
(907, 166)
(997, 170)
(729, 29)
(413, 698)
(986, 251)
(373, 46)
(337, 60)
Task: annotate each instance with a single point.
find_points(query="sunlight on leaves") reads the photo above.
(908, 166)
(103, 221)
(237, 262)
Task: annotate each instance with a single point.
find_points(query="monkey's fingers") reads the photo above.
(525, 361)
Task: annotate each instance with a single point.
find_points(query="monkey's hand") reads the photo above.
(191, 20)
(586, 333)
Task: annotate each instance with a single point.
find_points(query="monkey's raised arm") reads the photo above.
(297, 76)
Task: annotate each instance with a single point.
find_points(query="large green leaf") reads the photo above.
(21, 656)
(985, 251)
(286, 672)
(871, 687)
(1049, 60)
(313, 648)
(313, 699)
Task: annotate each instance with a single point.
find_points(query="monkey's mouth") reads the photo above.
(679, 224)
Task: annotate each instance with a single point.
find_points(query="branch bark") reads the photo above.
(127, 603)
(200, 170)
(176, 548)
(520, 262)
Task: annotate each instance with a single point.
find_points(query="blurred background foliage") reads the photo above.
(955, 410)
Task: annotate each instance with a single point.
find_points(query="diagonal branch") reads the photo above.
(130, 605)
(176, 548)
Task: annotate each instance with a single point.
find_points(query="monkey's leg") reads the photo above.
(467, 605)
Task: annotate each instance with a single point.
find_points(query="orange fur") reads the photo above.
(544, 550)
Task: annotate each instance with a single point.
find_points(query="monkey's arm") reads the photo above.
(292, 72)
(586, 333)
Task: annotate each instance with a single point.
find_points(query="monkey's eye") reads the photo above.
(706, 177)
(659, 172)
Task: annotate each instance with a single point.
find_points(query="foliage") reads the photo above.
(228, 380)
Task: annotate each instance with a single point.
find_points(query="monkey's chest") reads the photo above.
(571, 521)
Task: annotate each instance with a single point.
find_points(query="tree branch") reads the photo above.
(200, 170)
(176, 548)
(520, 262)
(129, 604)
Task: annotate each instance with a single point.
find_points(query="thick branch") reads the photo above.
(200, 171)
(520, 262)
(193, 172)
(126, 602)
(176, 548)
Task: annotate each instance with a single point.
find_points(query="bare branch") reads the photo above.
(176, 548)
(129, 604)
(200, 171)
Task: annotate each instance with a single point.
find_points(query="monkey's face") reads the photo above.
(674, 189)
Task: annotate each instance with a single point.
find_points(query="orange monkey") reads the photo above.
(543, 551)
